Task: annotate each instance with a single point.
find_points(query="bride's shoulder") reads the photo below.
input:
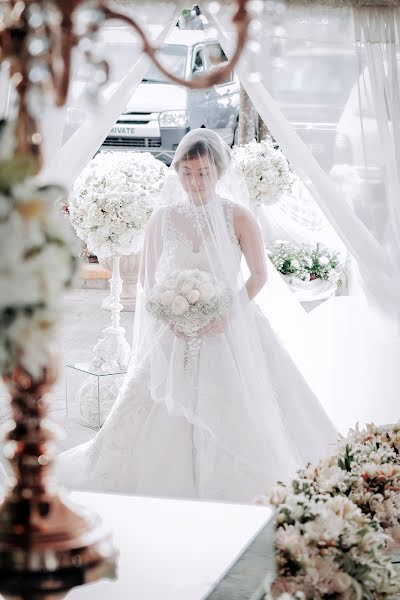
(238, 211)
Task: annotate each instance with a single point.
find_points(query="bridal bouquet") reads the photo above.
(305, 262)
(189, 300)
(37, 263)
(113, 199)
(328, 549)
(266, 171)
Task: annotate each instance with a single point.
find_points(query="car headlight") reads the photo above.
(174, 118)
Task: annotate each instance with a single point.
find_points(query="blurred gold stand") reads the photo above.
(47, 545)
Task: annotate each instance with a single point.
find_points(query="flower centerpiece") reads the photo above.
(306, 262)
(366, 469)
(113, 199)
(338, 521)
(313, 273)
(189, 300)
(266, 171)
(327, 548)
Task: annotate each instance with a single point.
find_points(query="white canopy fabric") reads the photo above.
(305, 70)
(325, 78)
(85, 126)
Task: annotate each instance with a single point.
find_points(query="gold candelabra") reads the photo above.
(37, 38)
(47, 545)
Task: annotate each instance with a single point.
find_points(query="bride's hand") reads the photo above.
(215, 327)
(178, 333)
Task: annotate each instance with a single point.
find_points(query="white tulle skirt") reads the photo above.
(145, 449)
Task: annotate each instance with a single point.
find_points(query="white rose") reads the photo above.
(179, 306)
(186, 288)
(323, 261)
(167, 298)
(207, 291)
(193, 296)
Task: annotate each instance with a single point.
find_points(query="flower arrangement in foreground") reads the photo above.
(338, 522)
(113, 199)
(266, 171)
(306, 262)
(37, 263)
(189, 300)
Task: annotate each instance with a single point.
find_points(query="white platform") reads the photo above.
(170, 549)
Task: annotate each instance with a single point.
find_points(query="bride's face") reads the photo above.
(198, 176)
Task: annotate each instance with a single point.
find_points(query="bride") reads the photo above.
(219, 411)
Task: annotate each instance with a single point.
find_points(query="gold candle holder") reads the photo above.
(47, 544)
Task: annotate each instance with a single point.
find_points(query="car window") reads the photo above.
(331, 76)
(198, 60)
(215, 57)
(174, 58)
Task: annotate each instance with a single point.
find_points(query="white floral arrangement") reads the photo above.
(363, 478)
(89, 402)
(189, 300)
(366, 469)
(113, 200)
(37, 264)
(327, 548)
(266, 171)
(306, 262)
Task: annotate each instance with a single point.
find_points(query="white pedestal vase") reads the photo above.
(311, 293)
(129, 271)
(111, 353)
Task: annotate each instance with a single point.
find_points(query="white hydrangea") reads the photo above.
(266, 171)
(113, 200)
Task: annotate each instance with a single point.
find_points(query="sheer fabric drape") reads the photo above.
(304, 83)
(83, 126)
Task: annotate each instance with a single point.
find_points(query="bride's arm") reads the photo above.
(249, 236)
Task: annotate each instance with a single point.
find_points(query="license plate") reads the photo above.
(123, 130)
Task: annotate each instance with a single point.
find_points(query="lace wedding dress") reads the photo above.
(226, 424)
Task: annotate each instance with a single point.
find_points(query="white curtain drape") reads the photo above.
(318, 36)
(378, 30)
(325, 79)
(84, 126)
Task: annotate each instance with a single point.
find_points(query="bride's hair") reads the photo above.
(203, 142)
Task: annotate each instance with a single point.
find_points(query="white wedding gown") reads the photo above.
(221, 447)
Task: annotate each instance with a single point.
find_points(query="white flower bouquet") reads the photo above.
(113, 199)
(306, 262)
(266, 171)
(328, 549)
(37, 263)
(189, 300)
